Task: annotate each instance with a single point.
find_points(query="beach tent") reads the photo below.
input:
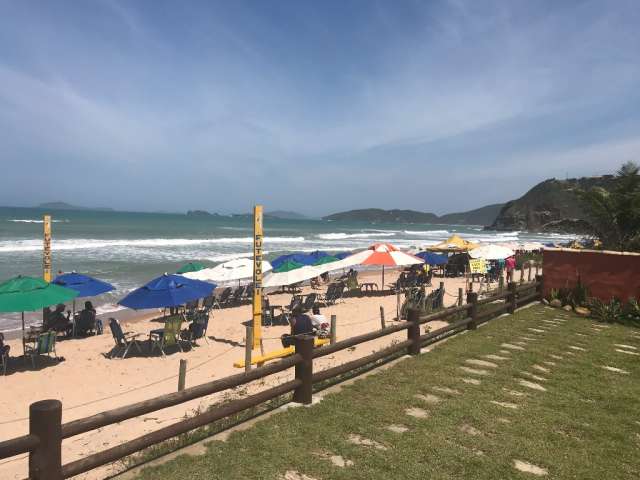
(168, 290)
(432, 258)
(27, 294)
(491, 252)
(454, 243)
(234, 270)
(382, 254)
(191, 267)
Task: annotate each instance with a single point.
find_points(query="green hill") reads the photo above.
(551, 206)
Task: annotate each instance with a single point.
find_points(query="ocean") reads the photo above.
(127, 249)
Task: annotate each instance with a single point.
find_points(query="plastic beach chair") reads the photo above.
(167, 336)
(45, 345)
(123, 340)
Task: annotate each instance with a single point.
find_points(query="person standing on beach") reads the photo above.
(510, 264)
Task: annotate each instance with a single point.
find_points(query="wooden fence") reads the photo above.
(46, 430)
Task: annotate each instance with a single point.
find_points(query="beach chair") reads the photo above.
(197, 329)
(236, 298)
(4, 361)
(208, 302)
(248, 293)
(191, 307)
(333, 294)
(315, 283)
(352, 284)
(168, 336)
(123, 340)
(223, 298)
(309, 302)
(45, 345)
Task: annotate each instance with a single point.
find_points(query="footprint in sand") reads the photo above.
(474, 371)
(432, 399)
(472, 381)
(532, 385)
(365, 442)
(511, 347)
(397, 428)
(511, 406)
(450, 391)
(416, 412)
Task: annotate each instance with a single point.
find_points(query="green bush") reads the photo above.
(606, 312)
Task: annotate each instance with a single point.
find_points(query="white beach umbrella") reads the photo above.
(530, 246)
(227, 272)
(491, 252)
(279, 279)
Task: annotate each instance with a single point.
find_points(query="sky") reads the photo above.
(312, 106)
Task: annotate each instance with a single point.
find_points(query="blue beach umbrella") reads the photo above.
(432, 258)
(169, 290)
(85, 285)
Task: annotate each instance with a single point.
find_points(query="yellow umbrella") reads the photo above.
(453, 244)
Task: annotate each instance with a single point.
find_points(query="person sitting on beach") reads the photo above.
(59, 322)
(319, 321)
(4, 349)
(300, 323)
(86, 321)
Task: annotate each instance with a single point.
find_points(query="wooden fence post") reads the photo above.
(522, 273)
(182, 375)
(382, 324)
(333, 333)
(45, 422)
(500, 282)
(248, 346)
(413, 332)
(537, 269)
(512, 298)
(460, 296)
(539, 288)
(529, 272)
(304, 369)
(472, 311)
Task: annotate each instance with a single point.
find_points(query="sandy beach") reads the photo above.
(87, 382)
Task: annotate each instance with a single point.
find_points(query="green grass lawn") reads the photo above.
(585, 425)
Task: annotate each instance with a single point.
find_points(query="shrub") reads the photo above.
(607, 312)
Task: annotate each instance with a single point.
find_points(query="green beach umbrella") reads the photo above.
(325, 260)
(191, 267)
(27, 294)
(288, 266)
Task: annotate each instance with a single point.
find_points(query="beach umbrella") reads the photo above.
(432, 258)
(275, 263)
(491, 252)
(454, 243)
(383, 254)
(325, 260)
(342, 255)
(288, 266)
(191, 267)
(288, 276)
(27, 294)
(231, 271)
(168, 290)
(85, 285)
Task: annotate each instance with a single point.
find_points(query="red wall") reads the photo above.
(606, 274)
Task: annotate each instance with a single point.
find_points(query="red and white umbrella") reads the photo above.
(383, 254)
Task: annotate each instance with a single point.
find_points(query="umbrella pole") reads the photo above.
(23, 344)
(382, 287)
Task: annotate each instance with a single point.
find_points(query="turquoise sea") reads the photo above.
(127, 249)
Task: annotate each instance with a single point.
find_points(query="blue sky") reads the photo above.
(312, 106)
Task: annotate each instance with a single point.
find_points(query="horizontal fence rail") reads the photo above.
(44, 441)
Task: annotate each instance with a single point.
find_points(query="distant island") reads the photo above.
(279, 214)
(201, 213)
(479, 216)
(67, 206)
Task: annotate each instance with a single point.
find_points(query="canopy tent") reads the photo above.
(432, 258)
(191, 267)
(383, 254)
(231, 271)
(27, 294)
(288, 266)
(491, 252)
(169, 290)
(454, 243)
